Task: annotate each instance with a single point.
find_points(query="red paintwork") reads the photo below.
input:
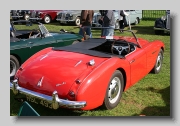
(94, 79)
(51, 13)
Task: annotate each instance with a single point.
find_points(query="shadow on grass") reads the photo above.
(158, 110)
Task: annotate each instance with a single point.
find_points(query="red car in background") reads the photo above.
(46, 16)
(88, 74)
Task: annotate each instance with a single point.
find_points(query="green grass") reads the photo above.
(150, 96)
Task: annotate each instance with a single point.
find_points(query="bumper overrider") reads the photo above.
(54, 100)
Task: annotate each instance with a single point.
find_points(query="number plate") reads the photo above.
(38, 101)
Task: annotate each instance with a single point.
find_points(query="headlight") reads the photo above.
(29, 12)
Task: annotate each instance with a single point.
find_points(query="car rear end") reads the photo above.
(53, 77)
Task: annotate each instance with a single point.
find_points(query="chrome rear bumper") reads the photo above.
(55, 101)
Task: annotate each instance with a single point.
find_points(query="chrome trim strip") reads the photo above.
(54, 99)
(78, 63)
(35, 18)
(16, 16)
(64, 20)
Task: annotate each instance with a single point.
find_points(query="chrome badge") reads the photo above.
(40, 82)
(60, 84)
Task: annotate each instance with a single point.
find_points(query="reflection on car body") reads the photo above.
(88, 74)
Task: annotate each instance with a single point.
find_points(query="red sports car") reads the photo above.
(87, 74)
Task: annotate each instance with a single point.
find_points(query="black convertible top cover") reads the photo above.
(86, 46)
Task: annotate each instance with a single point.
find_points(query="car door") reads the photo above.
(137, 61)
(37, 44)
(20, 49)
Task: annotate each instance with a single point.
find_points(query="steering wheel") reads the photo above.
(120, 49)
(38, 34)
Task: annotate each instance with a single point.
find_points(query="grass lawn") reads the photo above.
(150, 96)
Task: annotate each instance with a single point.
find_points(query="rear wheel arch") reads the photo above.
(114, 90)
(124, 76)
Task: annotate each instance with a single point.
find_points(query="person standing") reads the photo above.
(109, 23)
(122, 18)
(103, 13)
(86, 23)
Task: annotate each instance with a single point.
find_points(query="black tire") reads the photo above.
(14, 65)
(114, 89)
(77, 21)
(158, 65)
(136, 21)
(47, 19)
(158, 32)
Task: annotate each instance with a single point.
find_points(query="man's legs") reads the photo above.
(109, 31)
(88, 32)
(81, 31)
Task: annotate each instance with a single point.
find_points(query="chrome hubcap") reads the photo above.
(158, 64)
(47, 19)
(12, 68)
(78, 22)
(114, 90)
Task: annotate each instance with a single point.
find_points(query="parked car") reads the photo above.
(134, 18)
(20, 14)
(31, 38)
(97, 16)
(162, 25)
(87, 74)
(69, 16)
(46, 16)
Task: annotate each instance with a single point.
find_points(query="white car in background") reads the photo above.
(134, 18)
